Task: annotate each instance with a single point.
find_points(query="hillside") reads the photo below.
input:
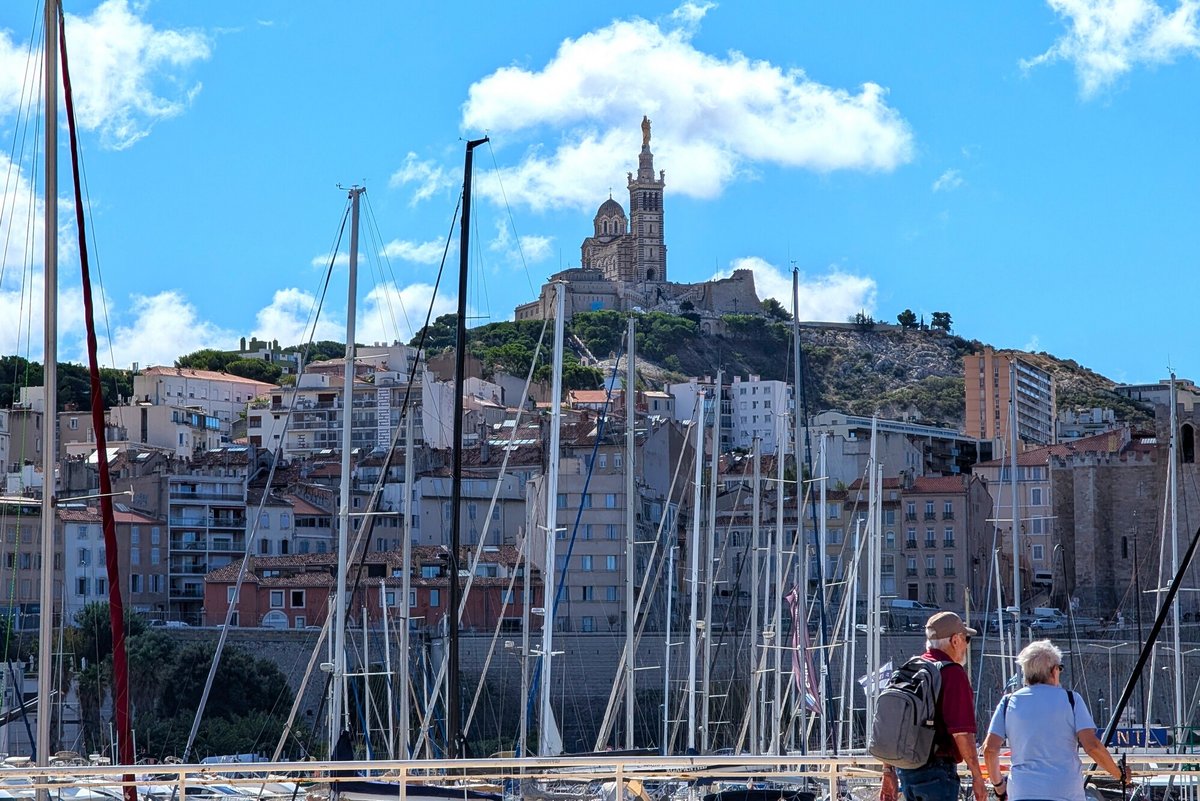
(861, 369)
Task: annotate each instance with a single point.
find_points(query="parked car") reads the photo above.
(1045, 625)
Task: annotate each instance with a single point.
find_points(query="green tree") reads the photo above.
(243, 683)
(256, 369)
(601, 331)
(206, 359)
(576, 376)
(439, 335)
(907, 319)
(941, 321)
(660, 334)
(318, 351)
(775, 310)
(149, 652)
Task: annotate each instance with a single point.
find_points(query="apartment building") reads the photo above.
(704, 390)
(1187, 394)
(303, 420)
(296, 591)
(757, 407)
(140, 559)
(182, 430)
(899, 445)
(988, 384)
(219, 395)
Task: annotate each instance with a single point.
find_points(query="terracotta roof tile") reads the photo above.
(207, 375)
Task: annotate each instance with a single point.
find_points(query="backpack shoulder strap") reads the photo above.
(1071, 697)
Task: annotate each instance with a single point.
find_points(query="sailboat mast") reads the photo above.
(50, 382)
(1016, 517)
(547, 728)
(666, 704)
(630, 526)
(410, 470)
(337, 700)
(710, 565)
(387, 668)
(755, 589)
(694, 558)
(872, 598)
(775, 579)
(1173, 480)
(800, 583)
(454, 739)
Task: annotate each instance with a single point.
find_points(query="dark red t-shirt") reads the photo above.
(955, 707)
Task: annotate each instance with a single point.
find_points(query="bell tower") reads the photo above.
(646, 215)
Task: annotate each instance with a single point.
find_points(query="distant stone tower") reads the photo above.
(631, 253)
(646, 211)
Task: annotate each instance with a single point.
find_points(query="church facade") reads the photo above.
(623, 264)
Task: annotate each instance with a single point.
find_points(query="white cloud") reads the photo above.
(289, 319)
(832, 297)
(418, 252)
(948, 181)
(1033, 345)
(715, 116)
(1108, 38)
(524, 251)
(386, 313)
(164, 327)
(690, 13)
(126, 74)
(390, 312)
(429, 177)
(339, 260)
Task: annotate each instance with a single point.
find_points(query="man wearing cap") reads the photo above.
(947, 639)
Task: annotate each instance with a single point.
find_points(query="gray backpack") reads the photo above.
(903, 728)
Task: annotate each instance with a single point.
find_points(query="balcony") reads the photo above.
(931, 571)
(947, 515)
(912, 571)
(947, 543)
(931, 515)
(949, 571)
(930, 543)
(180, 544)
(228, 522)
(910, 544)
(204, 497)
(187, 592)
(910, 516)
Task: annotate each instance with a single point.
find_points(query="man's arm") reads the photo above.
(967, 749)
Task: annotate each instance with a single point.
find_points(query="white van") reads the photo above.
(903, 604)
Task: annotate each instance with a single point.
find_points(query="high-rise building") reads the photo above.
(987, 380)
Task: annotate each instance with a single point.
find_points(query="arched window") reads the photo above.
(275, 620)
(1187, 444)
(649, 275)
(606, 226)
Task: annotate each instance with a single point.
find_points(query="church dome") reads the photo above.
(610, 208)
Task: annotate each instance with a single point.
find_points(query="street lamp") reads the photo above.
(1110, 649)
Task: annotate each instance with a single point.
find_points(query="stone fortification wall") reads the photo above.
(583, 677)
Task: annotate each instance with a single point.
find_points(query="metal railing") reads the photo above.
(848, 776)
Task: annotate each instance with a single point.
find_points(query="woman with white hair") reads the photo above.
(1045, 724)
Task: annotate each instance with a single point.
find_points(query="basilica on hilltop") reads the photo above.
(623, 264)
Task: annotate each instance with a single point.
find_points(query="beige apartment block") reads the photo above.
(987, 382)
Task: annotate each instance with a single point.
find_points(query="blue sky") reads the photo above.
(1030, 168)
